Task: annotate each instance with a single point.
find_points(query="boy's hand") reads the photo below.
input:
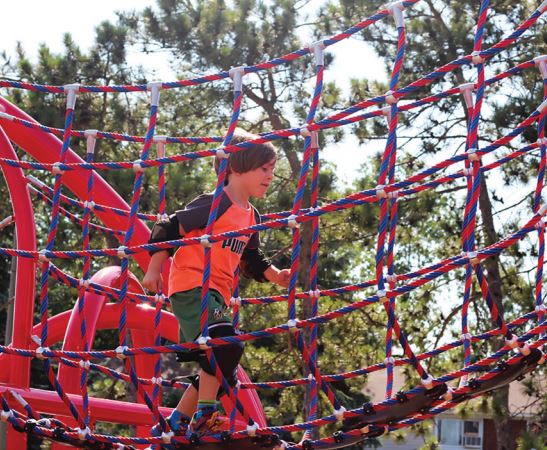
(283, 277)
(153, 281)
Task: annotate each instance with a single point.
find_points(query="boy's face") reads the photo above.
(257, 181)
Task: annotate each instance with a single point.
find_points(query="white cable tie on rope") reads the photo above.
(202, 342)
(6, 415)
(476, 57)
(291, 221)
(314, 294)
(311, 377)
(221, 153)
(121, 251)
(158, 380)
(205, 242)
(397, 10)
(56, 168)
(236, 74)
(120, 351)
(472, 154)
(40, 352)
(235, 301)
(42, 256)
(467, 93)
(513, 342)
(292, 324)
(390, 98)
(317, 48)
(137, 166)
(6, 116)
(339, 413)
(154, 87)
(428, 382)
(380, 191)
(91, 137)
(71, 91)
(393, 195)
(251, 429)
(84, 364)
(160, 141)
(166, 437)
(541, 62)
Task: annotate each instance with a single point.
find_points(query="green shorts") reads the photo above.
(186, 307)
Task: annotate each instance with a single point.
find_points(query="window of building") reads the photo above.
(461, 433)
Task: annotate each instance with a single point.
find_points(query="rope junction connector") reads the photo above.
(160, 141)
(397, 10)
(202, 342)
(42, 256)
(339, 413)
(236, 74)
(449, 394)
(83, 433)
(292, 324)
(137, 166)
(159, 298)
(541, 62)
(89, 205)
(513, 342)
(540, 308)
(154, 88)
(472, 257)
(472, 154)
(314, 294)
(162, 217)
(6, 415)
(389, 360)
(390, 97)
(525, 349)
(427, 382)
(205, 242)
(91, 136)
(382, 296)
(235, 301)
(84, 364)
(465, 337)
(476, 58)
(391, 278)
(291, 221)
(71, 91)
(158, 380)
(467, 93)
(317, 48)
(40, 352)
(56, 168)
(251, 429)
(166, 437)
(83, 283)
(120, 351)
(386, 111)
(121, 251)
(221, 153)
(541, 141)
(380, 191)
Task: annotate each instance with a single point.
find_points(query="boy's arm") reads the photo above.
(255, 265)
(278, 276)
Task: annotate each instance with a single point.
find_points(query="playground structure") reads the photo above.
(145, 318)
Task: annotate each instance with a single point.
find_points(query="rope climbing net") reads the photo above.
(396, 411)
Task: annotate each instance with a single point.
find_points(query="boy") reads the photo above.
(249, 174)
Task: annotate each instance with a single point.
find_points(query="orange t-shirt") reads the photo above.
(187, 264)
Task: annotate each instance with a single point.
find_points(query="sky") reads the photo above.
(48, 21)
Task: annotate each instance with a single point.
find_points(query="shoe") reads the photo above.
(205, 422)
(178, 427)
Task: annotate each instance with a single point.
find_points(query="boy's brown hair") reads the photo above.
(248, 159)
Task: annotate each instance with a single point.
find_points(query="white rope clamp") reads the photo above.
(162, 217)
(236, 74)
(380, 191)
(154, 88)
(158, 380)
(83, 283)
(389, 360)
(121, 251)
(542, 141)
(202, 342)
(476, 57)
(541, 62)
(525, 350)
(317, 48)
(314, 294)
(292, 324)
(221, 153)
(166, 437)
(83, 433)
(89, 205)
(466, 337)
(120, 351)
(251, 429)
(291, 221)
(472, 257)
(397, 10)
(159, 298)
(428, 382)
(235, 301)
(91, 136)
(84, 364)
(467, 93)
(71, 91)
(513, 342)
(472, 154)
(6, 415)
(137, 166)
(391, 278)
(205, 242)
(42, 256)
(40, 352)
(382, 296)
(56, 168)
(540, 308)
(390, 98)
(339, 413)
(160, 141)
(449, 394)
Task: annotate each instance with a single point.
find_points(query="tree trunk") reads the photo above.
(500, 399)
